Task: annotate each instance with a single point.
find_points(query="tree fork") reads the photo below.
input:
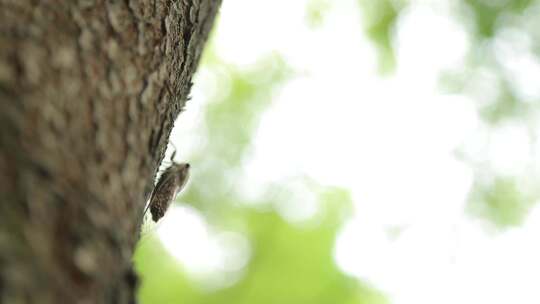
(89, 91)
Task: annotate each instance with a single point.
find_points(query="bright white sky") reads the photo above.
(391, 141)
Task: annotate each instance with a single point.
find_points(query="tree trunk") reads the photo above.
(89, 91)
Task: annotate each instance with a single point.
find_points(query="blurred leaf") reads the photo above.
(485, 16)
(231, 119)
(487, 13)
(519, 5)
(507, 106)
(501, 202)
(379, 20)
(315, 12)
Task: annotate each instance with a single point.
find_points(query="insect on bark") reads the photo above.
(170, 183)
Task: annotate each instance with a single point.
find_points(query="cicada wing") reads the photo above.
(163, 195)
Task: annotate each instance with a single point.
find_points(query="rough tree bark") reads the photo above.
(89, 91)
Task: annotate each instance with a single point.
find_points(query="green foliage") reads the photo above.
(501, 201)
(290, 264)
(379, 20)
(232, 117)
(485, 16)
(505, 107)
(487, 13)
(229, 122)
(315, 12)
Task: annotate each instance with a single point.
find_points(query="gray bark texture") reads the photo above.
(89, 91)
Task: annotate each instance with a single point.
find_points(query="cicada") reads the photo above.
(170, 183)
